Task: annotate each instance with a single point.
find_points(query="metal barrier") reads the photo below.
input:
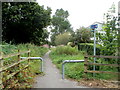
(36, 58)
(68, 61)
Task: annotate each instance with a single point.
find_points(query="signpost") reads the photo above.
(93, 27)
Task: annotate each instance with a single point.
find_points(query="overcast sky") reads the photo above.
(82, 12)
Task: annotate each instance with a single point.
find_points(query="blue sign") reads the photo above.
(94, 26)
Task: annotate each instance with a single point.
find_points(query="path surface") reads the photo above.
(52, 77)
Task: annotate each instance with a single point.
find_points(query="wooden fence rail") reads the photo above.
(97, 56)
(19, 61)
(100, 64)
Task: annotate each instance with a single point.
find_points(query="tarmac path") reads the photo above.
(52, 77)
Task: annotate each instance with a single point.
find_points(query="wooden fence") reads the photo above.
(99, 64)
(17, 63)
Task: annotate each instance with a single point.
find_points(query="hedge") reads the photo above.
(89, 48)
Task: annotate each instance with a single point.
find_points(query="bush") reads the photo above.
(62, 39)
(25, 77)
(72, 70)
(67, 50)
(88, 47)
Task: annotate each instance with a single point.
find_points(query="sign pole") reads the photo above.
(94, 50)
(93, 27)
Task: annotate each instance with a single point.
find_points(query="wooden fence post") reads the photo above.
(18, 55)
(85, 66)
(18, 58)
(28, 56)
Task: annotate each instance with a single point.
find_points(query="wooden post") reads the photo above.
(18, 55)
(18, 58)
(28, 60)
(28, 56)
(85, 66)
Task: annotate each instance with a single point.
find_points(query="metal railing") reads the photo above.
(32, 58)
(68, 61)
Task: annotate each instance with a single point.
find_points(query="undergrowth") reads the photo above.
(76, 70)
(24, 78)
(72, 70)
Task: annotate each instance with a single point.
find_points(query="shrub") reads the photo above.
(26, 75)
(62, 39)
(67, 50)
(88, 47)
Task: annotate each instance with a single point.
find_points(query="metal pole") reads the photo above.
(68, 61)
(41, 65)
(41, 59)
(94, 50)
(63, 71)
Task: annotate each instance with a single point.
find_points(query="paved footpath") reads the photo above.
(52, 77)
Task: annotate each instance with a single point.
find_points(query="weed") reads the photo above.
(25, 77)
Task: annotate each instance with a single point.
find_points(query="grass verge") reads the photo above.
(76, 70)
(23, 79)
(72, 70)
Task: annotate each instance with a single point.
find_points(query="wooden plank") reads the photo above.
(15, 54)
(103, 72)
(11, 75)
(97, 56)
(12, 65)
(99, 64)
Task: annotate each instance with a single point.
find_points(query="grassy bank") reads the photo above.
(25, 78)
(72, 70)
(76, 70)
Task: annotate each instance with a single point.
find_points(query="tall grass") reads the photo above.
(76, 70)
(26, 76)
(72, 70)
(66, 50)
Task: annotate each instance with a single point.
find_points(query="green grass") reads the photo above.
(26, 76)
(76, 70)
(72, 70)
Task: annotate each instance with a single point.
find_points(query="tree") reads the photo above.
(62, 39)
(108, 39)
(82, 35)
(60, 23)
(25, 22)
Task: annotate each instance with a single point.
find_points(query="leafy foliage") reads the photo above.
(25, 77)
(82, 35)
(76, 70)
(60, 23)
(24, 22)
(66, 50)
(88, 47)
(62, 39)
(72, 70)
(108, 39)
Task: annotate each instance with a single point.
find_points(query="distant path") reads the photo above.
(52, 77)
